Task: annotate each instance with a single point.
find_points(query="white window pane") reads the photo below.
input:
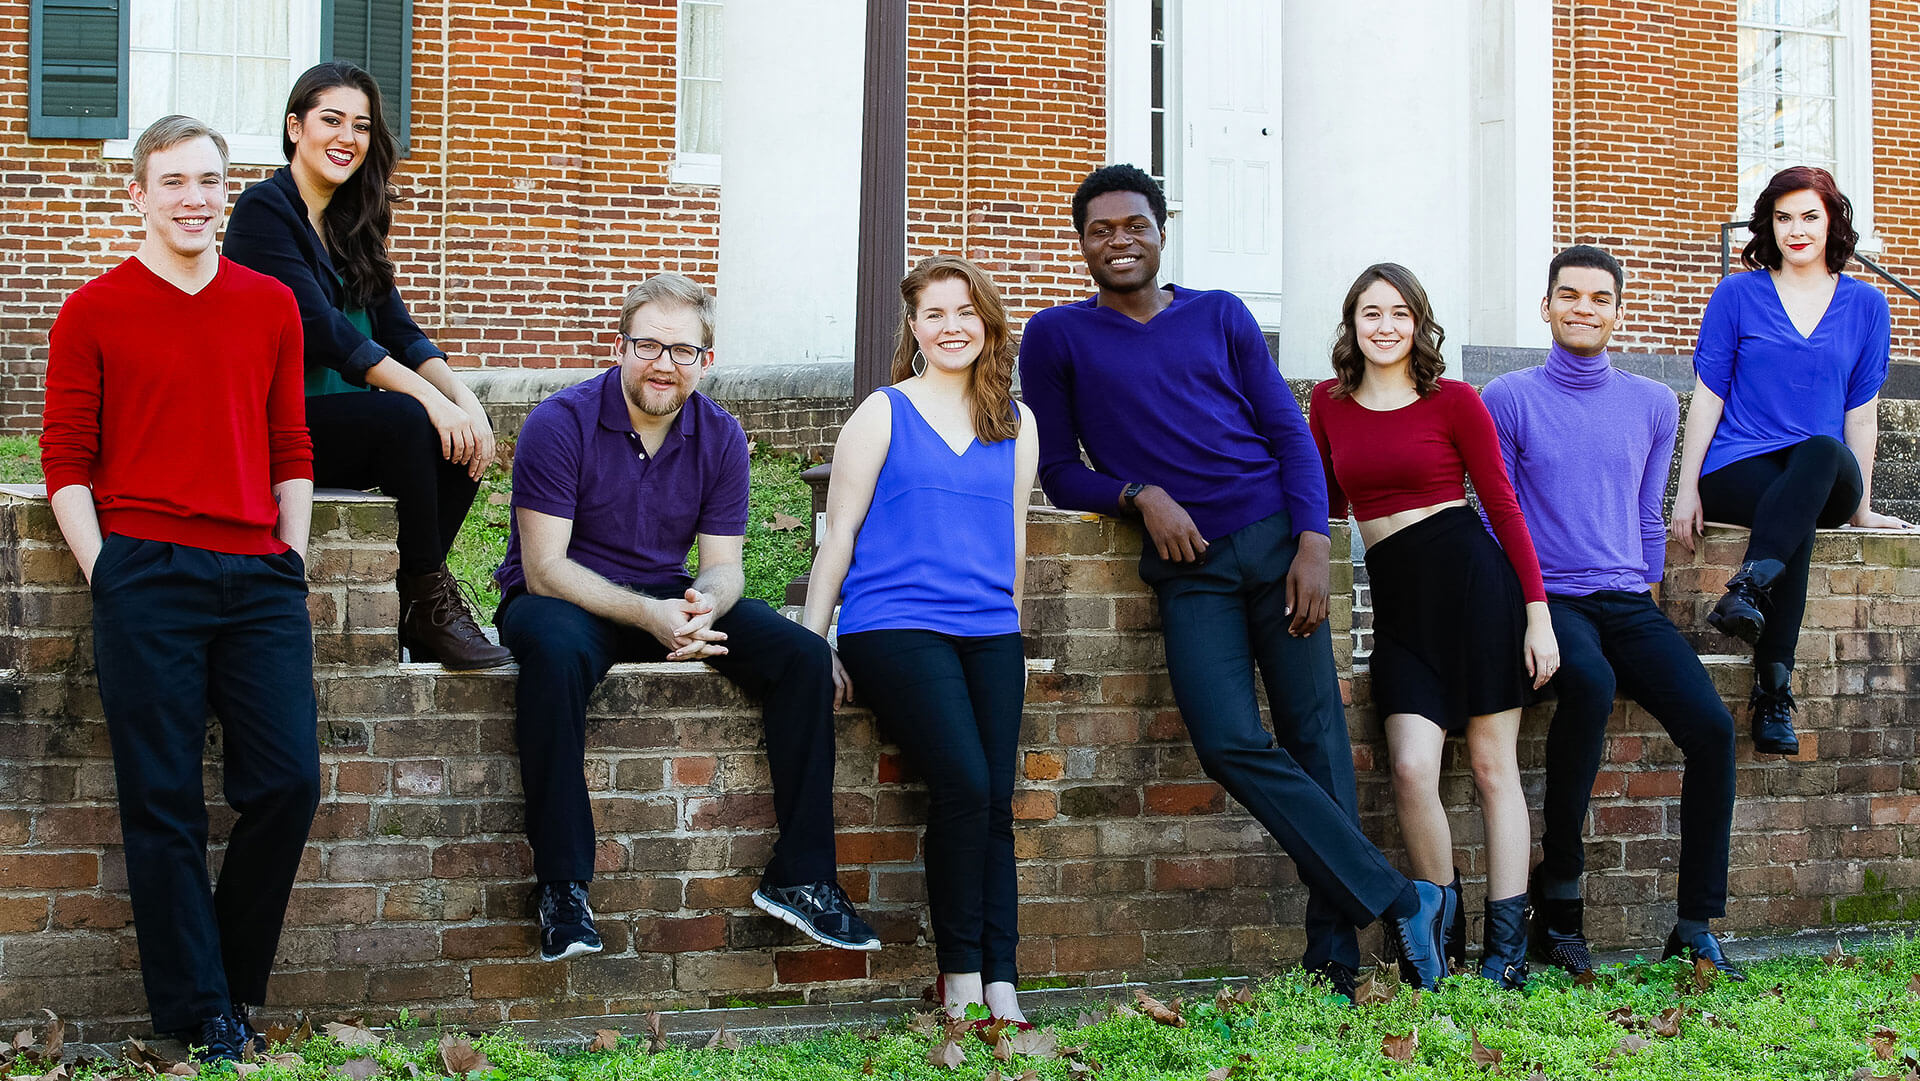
(261, 30)
(149, 88)
(699, 116)
(261, 93)
(1757, 11)
(152, 25)
(700, 41)
(205, 89)
(1759, 57)
(1819, 14)
(1807, 64)
(1816, 132)
(206, 26)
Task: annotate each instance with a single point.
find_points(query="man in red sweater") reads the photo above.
(179, 468)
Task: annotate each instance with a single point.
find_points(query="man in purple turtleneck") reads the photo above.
(1588, 447)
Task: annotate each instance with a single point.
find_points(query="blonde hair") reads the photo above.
(170, 131)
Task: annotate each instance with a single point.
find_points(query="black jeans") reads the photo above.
(1223, 618)
(565, 651)
(1782, 496)
(377, 439)
(953, 705)
(178, 631)
(1615, 638)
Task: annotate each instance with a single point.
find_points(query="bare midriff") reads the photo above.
(1375, 530)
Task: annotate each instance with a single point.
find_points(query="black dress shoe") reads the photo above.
(1703, 946)
(1770, 711)
(1418, 939)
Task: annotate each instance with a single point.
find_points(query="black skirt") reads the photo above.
(1449, 622)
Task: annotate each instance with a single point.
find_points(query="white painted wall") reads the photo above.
(792, 77)
(1512, 188)
(1375, 161)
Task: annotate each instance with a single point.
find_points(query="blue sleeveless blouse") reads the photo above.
(936, 550)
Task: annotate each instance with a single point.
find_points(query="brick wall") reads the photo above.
(415, 886)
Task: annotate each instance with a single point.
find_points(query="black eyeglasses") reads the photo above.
(682, 353)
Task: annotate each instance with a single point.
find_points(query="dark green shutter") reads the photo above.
(76, 68)
(378, 36)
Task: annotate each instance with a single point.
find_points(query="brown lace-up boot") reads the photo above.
(435, 624)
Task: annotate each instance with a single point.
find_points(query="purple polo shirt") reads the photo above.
(634, 515)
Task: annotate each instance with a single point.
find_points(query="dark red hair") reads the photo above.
(1764, 252)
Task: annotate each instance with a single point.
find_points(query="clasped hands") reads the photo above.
(684, 625)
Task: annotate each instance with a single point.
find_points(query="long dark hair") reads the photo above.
(1763, 251)
(990, 380)
(361, 210)
(1426, 364)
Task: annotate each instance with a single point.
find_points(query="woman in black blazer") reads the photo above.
(320, 225)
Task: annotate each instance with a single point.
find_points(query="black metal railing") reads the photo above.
(1726, 260)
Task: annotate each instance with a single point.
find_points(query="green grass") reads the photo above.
(19, 459)
(1797, 1018)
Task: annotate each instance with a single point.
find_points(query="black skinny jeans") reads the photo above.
(953, 705)
(377, 439)
(1618, 639)
(1782, 496)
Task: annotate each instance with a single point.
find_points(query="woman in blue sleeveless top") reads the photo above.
(926, 538)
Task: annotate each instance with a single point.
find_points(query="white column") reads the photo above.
(1374, 161)
(791, 78)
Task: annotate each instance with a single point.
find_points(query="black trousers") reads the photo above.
(178, 631)
(1224, 618)
(953, 705)
(1618, 639)
(565, 651)
(1782, 496)
(376, 439)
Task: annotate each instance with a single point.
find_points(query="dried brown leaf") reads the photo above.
(1483, 1056)
(1088, 1020)
(246, 1069)
(142, 1055)
(1586, 979)
(1537, 1075)
(723, 1040)
(1082, 1069)
(414, 1070)
(1622, 1016)
(1630, 1045)
(304, 1033)
(1667, 1024)
(1003, 1048)
(286, 1058)
(23, 1039)
(867, 1067)
(278, 1034)
(1838, 957)
(1036, 1043)
(783, 523)
(351, 1034)
(1371, 991)
(458, 1057)
(1703, 975)
(604, 1039)
(926, 1024)
(1913, 985)
(1401, 1047)
(1778, 990)
(656, 1033)
(991, 1032)
(1222, 1073)
(1158, 1010)
(358, 1069)
(55, 1040)
(947, 1055)
(1885, 1043)
(1123, 1010)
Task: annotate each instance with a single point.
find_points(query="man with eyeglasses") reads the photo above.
(614, 479)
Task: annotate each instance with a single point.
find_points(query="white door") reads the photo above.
(1229, 225)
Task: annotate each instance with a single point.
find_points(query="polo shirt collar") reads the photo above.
(614, 416)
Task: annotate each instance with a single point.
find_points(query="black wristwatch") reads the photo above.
(1129, 493)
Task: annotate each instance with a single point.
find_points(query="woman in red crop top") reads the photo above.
(1460, 628)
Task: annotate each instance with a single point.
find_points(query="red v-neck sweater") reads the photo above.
(182, 411)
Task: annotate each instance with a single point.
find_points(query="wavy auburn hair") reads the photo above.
(1426, 363)
(361, 211)
(1763, 251)
(990, 380)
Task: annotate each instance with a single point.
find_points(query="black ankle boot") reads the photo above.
(1742, 612)
(1771, 710)
(1453, 925)
(1559, 935)
(1504, 960)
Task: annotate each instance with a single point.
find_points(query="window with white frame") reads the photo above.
(1805, 96)
(697, 134)
(227, 62)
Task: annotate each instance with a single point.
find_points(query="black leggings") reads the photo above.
(376, 439)
(953, 705)
(1782, 496)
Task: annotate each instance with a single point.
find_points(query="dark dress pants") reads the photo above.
(1615, 638)
(1782, 496)
(1223, 618)
(178, 631)
(565, 651)
(381, 439)
(953, 706)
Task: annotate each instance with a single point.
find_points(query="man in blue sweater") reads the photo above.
(1190, 428)
(1588, 447)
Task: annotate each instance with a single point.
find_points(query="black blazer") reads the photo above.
(268, 231)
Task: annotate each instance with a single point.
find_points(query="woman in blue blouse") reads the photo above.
(926, 531)
(320, 226)
(1780, 435)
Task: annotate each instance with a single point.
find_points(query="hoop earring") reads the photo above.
(918, 364)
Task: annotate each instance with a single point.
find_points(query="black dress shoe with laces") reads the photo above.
(566, 922)
(1705, 947)
(1418, 939)
(819, 910)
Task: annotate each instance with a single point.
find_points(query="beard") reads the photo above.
(649, 401)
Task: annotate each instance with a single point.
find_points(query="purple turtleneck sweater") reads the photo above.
(1588, 447)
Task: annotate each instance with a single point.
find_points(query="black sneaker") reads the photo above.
(220, 1040)
(566, 923)
(1702, 946)
(1340, 979)
(250, 1036)
(819, 910)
